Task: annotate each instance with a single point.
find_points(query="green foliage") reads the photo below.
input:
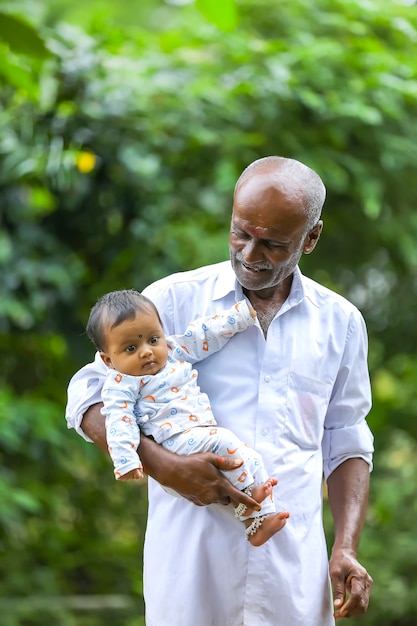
(61, 532)
(22, 37)
(120, 145)
(22, 49)
(388, 549)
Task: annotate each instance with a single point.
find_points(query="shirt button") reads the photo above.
(265, 431)
(267, 379)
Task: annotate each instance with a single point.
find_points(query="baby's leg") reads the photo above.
(251, 477)
(262, 525)
(225, 443)
(220, 441)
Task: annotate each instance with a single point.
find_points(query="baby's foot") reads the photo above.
(270, 525)
(260, 492)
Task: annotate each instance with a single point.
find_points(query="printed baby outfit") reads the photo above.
(170, 407)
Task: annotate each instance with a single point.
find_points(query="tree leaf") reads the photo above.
(223, 14)
(22, 37)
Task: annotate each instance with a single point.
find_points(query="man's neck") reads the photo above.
(267, 302)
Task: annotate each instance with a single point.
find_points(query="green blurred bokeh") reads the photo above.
(123, 127)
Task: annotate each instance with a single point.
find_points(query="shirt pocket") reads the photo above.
(307, 402)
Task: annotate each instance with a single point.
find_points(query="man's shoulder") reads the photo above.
(322, 296)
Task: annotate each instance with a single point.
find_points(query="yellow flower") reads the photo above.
(85, 162)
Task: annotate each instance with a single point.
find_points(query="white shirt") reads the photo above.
(300, 398)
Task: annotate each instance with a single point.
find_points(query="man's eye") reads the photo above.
(240, 234)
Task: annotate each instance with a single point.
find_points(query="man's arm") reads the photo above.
(348, 488)
(196, 477)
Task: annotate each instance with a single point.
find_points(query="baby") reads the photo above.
(152, 388)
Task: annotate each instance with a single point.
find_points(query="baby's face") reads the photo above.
(137, 346)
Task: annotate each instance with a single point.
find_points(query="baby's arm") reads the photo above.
(207, 335)
(122, 431)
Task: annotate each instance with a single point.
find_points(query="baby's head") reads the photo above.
(126, 329)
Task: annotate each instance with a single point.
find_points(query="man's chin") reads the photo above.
(254, 281)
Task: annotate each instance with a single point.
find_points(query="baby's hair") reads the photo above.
(114, 308)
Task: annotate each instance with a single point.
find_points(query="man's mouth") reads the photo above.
(255, 268)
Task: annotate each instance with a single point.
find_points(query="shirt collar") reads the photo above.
(296, 294)
(226, 282)
(302, 288)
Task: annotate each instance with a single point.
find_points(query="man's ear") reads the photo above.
(312, 237)
(106, 359)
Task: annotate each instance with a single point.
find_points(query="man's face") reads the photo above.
(268, 232)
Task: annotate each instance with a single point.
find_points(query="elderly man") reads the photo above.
(296, 387)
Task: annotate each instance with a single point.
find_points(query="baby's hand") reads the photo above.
(252, 312)
(135, 474)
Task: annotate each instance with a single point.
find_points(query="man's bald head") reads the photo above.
(290, 174)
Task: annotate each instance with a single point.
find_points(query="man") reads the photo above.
(296, 387)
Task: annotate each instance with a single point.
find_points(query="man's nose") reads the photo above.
(251, 252)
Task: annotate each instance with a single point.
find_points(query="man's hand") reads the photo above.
(198, 479)
(351, 585)
(348, 487)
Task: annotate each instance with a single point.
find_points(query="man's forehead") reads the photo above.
(256, 231)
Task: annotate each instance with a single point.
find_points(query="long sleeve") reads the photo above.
(84, 390)
(346, 432)
(119, 396)
(208, 335)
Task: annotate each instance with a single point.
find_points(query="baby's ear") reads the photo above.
(106, 359)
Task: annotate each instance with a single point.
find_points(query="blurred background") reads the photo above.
(123, 128)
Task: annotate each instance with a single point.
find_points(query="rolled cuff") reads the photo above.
(342, 444)
(82, 395)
